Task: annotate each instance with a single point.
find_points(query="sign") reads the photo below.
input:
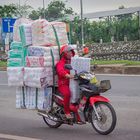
(7, 24)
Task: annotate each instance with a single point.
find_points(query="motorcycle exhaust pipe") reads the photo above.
(49, 117)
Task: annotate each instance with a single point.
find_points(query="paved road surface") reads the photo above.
(26, 124)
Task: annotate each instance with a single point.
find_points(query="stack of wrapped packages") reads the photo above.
(79, 64)
(15, 64)
(48, 33)
(18, 22)
(34, 74)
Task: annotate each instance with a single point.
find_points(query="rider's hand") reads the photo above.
(68, 76)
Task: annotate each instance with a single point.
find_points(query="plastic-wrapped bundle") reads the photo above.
(80, 63)
(15, 62)
(43, 33)
(30, 98)
(25, 34)
(56, 55)
(38, 77)
(39, 51)
(20, 97)
(44, 52)
(74, 88)
(18, 22)
(44, 99)
(26, 97)
(16, 45)
(60, 28)
(15, 54)
(38, 61)
(34, 98)
(15, 76)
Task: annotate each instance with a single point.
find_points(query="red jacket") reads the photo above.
(61, 72)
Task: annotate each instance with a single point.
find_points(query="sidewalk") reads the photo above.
(118, 69)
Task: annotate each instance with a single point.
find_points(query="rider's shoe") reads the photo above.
(81, 122)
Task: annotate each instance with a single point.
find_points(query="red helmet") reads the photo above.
(66, 48)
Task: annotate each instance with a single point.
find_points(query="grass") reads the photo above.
(98, 62)
(109, 62)
(3, 64)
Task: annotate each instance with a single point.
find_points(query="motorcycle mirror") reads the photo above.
(68, 66)
(95, 66)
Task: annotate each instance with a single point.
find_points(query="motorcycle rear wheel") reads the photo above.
(107, 121)
(51, 123)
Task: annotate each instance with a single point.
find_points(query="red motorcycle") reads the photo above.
(91, 106)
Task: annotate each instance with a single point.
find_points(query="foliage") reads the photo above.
(118, 27)
(55, 10)
(36, 14)
(23, 10)
(8, 11)
(13, 10)
(3, 63)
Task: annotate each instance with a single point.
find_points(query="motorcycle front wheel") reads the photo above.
(104, 120)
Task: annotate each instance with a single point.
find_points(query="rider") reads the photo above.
(66, 52)
(85, 50)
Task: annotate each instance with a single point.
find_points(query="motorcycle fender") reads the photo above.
(95, 99)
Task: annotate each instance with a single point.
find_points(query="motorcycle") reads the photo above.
(91, 106)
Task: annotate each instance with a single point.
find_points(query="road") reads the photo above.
(17, 124)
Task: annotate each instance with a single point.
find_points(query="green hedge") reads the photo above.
(109, 62)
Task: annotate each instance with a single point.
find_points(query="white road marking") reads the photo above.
(14, 137)
(3, 84)
(119, 75)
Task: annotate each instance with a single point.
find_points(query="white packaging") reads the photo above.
(15, 76)
(38, 61)
(44, 99)
(38, 77)
(34, 98)
(80, 64)
(26, 34)
(30, 98)
(74, 89)
(39, 51)
(60, 28)
(19, 97)
(18, 22)
(43, 33)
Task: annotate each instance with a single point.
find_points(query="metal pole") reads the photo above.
(19, 9)
(19, 4)
(43, 9)
(82, 29)
(138, 24)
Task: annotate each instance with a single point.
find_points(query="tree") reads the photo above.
(23, 10)
(8, 11)
(55, 10)
(36, 14)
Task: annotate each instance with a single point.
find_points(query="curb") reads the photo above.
(3, 68)
(117, 69)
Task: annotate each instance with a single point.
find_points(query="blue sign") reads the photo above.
(7, 25)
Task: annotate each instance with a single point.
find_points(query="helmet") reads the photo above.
(66, 48)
